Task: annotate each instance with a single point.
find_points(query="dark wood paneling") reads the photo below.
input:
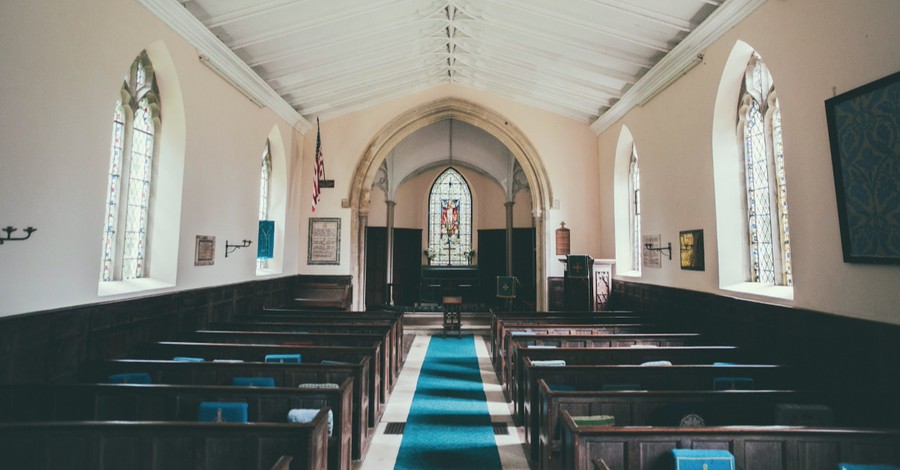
(407, 263)
(376, 266)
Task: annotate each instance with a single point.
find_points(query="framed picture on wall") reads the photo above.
(691, 242)
(864, 133)
(324, 241)
(205, 251)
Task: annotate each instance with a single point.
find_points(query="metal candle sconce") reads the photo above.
(649, 246)
(229, 248)
(10, 229)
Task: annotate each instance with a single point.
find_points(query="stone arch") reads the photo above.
(421, 116)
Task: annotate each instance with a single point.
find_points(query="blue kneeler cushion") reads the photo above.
(187, 359)
(306, 415)
(253, 381)
(222, 412)
(130, 378)
(702, 459)
(284, 358)
(853, 466)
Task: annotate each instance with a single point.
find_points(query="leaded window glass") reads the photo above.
(764, 180)
(135, 122)
(450, 220)
(634, 191)
(264, 178)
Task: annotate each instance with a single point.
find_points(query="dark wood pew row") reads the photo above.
(397, 351)
(619, 340)
(258, 352)
(222, 373)
(675, 377)
(164, 445)
(706, 408)
(753, 447)
(523, 383)
(138, 402)
(302, 339)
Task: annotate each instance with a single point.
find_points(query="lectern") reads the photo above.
(452, 308)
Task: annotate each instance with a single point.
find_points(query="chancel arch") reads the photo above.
(371, 169)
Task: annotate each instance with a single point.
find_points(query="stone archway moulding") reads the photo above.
(421, 116)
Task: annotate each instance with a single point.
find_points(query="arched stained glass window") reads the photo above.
(759, 126)
(265, 176)
(450, 220)
(634, 198)
(135, 122)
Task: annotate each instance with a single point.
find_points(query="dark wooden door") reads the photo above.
(491, 263)
(376, 266)
(523, 265)
(407, 264)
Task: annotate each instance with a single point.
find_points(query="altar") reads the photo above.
(440, 281)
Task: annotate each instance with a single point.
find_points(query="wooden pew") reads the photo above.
(524, 379)
(169, 445)
(222, 373)
(716, 408)
(319, 296)
(397, 351)
(257, 353)
(135, 402)
(676, 377)
(754, 447)
(311, 339)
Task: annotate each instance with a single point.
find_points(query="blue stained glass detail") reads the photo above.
(450, 220)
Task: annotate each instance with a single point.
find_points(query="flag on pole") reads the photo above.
(320, 167)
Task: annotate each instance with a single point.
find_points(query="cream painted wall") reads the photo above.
(812, 47)
(568, 149)
(63, 64)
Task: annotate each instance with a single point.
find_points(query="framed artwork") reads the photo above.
(324, 241)
(691, 242)
(205, 251)
(650, 258)
(864, 132)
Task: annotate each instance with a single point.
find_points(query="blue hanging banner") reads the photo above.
(266, 244)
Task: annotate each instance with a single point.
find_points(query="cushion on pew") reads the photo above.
(732, 383)
(856, 466)
(230, 361)
(319, 385)
(522, 333)
(284, 358)
(596, 420)
(253, 382)
(541, 346)
(222, 412)
(561, 387)
(791, 414)
(306, 415)
(337, 363)
(722, 364)
(620, 387)
(702, 459)
(656, 363)
(550, 363)
(130, 378)
(643, 346)
(187, 359)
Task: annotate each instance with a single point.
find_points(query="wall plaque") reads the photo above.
(205, 251)
(324, 241)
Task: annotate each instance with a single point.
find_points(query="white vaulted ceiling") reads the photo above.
(578, 58)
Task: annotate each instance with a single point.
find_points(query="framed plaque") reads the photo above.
(324, 241)
(205, 251)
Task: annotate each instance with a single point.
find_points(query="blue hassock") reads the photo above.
(702, 459)
(448, 424)
(187, 359)
(283, 358)
(222, 412)
(306, 415)
(130, 378)
(854, 466)
(253, 381)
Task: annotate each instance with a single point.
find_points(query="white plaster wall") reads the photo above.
(812, 47)
(63, 64)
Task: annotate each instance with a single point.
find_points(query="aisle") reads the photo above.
(448, 400)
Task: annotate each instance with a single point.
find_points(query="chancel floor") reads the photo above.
(386, 444)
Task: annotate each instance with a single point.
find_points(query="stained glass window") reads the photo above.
(264, 177)
(764, 180)
(135, 121)
(634, 187)
(450, 220)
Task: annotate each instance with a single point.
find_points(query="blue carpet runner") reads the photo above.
(449, 425)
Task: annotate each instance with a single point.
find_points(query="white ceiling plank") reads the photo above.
(251, 11)
(647, 14)
(551, 93)
(369, 85)
(375, 94)
(536, 102)
(365, 102)
(361, 78)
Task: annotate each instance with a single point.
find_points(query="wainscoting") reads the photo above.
(836, 352)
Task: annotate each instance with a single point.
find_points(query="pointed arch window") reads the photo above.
(450, 220)
(136, 120)
(265, 177)
(634, 199)
(759, 128)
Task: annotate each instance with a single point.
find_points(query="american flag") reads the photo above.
(320, 167)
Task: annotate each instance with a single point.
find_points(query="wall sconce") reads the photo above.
(229, 248)
(650, 247)
(10, 229)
